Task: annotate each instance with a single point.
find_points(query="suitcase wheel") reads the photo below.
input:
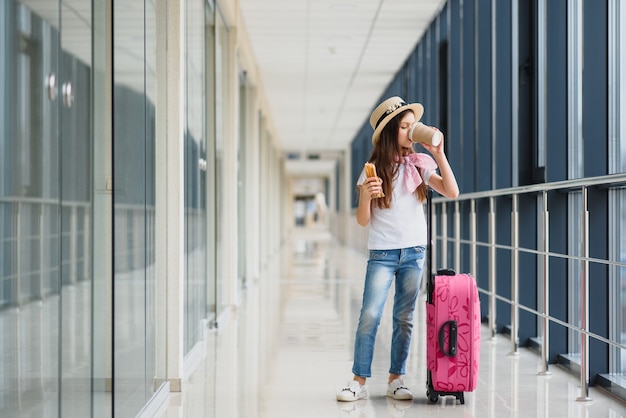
(433, 397)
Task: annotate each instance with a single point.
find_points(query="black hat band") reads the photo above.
(392, 108)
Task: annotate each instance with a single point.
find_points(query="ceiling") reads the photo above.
(325, 63)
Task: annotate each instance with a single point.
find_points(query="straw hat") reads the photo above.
(385, 111)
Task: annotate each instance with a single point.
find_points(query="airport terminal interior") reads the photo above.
(178, 200)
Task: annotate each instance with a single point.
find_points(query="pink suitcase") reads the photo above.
(453, 329)
(453, 336)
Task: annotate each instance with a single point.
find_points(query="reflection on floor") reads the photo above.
(311, 349)
(32, 352)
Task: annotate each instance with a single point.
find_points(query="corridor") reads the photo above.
(320, 300)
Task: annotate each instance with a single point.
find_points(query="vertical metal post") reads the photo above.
(545, 305)
(492, 267)
(514, 275)
(584, 302)
(473, 261)
(457, 237)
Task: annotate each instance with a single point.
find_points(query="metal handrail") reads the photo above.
(610, 180)
(582, 184)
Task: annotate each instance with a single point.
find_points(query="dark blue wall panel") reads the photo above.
(483, 109)
(468, 96)
(503, 150)
(556, 90)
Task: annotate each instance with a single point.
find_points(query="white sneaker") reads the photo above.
(398, 391)
(352, 391)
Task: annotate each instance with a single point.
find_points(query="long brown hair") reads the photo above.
(385, 157)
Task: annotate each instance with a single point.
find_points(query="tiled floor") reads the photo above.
(292, 365)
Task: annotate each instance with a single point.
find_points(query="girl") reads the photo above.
(397, 238)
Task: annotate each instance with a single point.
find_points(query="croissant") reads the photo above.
(370, 171)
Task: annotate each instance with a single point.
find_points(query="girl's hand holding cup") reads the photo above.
(428, 136)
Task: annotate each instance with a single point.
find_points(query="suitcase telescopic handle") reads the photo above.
(453, 332)
(430, 288)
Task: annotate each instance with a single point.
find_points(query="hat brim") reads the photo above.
(417, 109)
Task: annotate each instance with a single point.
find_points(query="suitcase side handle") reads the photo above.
(453, 332)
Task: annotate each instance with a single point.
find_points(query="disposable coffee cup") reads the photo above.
(424, 134)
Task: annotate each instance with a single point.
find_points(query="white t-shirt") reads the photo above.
(403, 225)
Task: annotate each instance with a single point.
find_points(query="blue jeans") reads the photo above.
(406, 265)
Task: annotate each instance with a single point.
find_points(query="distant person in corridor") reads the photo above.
(397, 238)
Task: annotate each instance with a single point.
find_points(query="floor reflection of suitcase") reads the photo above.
(453, 332)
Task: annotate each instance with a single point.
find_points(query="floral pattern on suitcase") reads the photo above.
(455, 298)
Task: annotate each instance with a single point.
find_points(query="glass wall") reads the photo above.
(78, 284)
(45, 209)
(134, 276)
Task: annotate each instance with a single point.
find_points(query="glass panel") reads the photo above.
(621, 318)
(211, 187)
(30, 228)
(134, 289)
(618, 278)
(542, 28)
(101, 232)
(617, 88)
(76, 194)
(574, 269)
(195, 178)
(617, 164)
(150, 198)
(221, 80)
(575, 164)
(574, 68)
(242, 164)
